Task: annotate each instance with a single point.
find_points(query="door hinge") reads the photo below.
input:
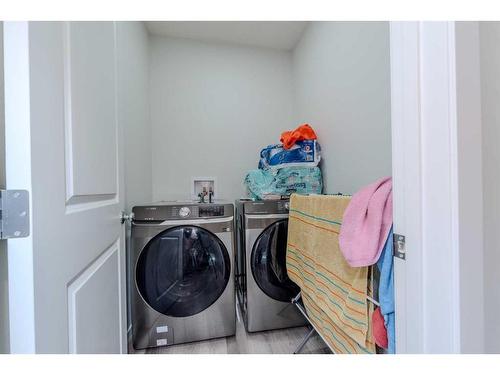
(399, 246)
(126, 217)
(14, 214)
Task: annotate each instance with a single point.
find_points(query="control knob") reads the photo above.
(184, 212)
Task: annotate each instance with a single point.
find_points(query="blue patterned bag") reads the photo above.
(303, 154)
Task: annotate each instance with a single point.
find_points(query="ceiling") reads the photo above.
(282, 35)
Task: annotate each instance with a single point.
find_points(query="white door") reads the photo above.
(67, 280)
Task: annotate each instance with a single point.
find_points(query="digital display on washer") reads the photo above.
(211, 211)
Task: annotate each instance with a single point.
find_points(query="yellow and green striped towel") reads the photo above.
(334, 293)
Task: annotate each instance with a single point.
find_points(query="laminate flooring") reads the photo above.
(279, 341)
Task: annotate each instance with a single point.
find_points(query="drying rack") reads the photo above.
(302, 309)
(296, 301)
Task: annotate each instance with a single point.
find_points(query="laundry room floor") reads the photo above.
(280, 341)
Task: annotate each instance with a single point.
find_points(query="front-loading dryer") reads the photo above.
(263, 288)
(182, 271)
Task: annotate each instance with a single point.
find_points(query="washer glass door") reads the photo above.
(182, 271)
(268, 262)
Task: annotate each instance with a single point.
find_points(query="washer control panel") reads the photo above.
(181, 210)
(266, 207)
(210, 211)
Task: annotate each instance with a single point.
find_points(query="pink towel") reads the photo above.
(366, 223)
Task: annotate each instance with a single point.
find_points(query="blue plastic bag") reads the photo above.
(303, 154)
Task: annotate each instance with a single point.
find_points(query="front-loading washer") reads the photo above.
(263, 288)
(181, 268)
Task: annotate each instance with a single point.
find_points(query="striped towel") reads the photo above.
(334, 293)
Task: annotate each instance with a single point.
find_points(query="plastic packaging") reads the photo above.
(304, 154)
(266, 184)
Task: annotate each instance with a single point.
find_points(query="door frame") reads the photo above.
(436, 153)
(18, 176)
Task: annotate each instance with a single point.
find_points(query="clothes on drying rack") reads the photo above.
(379, 329)
(298, 301)
(338, 341)
(385, 265)
(334, 294)
(366, 223)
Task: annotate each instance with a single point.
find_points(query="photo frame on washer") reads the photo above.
(200, 183)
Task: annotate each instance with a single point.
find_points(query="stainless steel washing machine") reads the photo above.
(182, 271)
(263, 288)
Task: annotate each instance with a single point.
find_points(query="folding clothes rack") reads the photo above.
(302, 309)
(300, 306)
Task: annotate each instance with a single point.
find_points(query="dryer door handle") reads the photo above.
(266, 216)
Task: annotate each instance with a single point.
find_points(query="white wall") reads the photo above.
(341, 73)
(490, 97)
(4, 289)
(133, 110)
(213, 108)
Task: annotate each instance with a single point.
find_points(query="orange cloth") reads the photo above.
(289, 138)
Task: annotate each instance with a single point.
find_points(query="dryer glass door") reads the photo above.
(268, 261)
(182, 271)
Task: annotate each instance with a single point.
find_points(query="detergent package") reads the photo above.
(267, 184)
(305, 153)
